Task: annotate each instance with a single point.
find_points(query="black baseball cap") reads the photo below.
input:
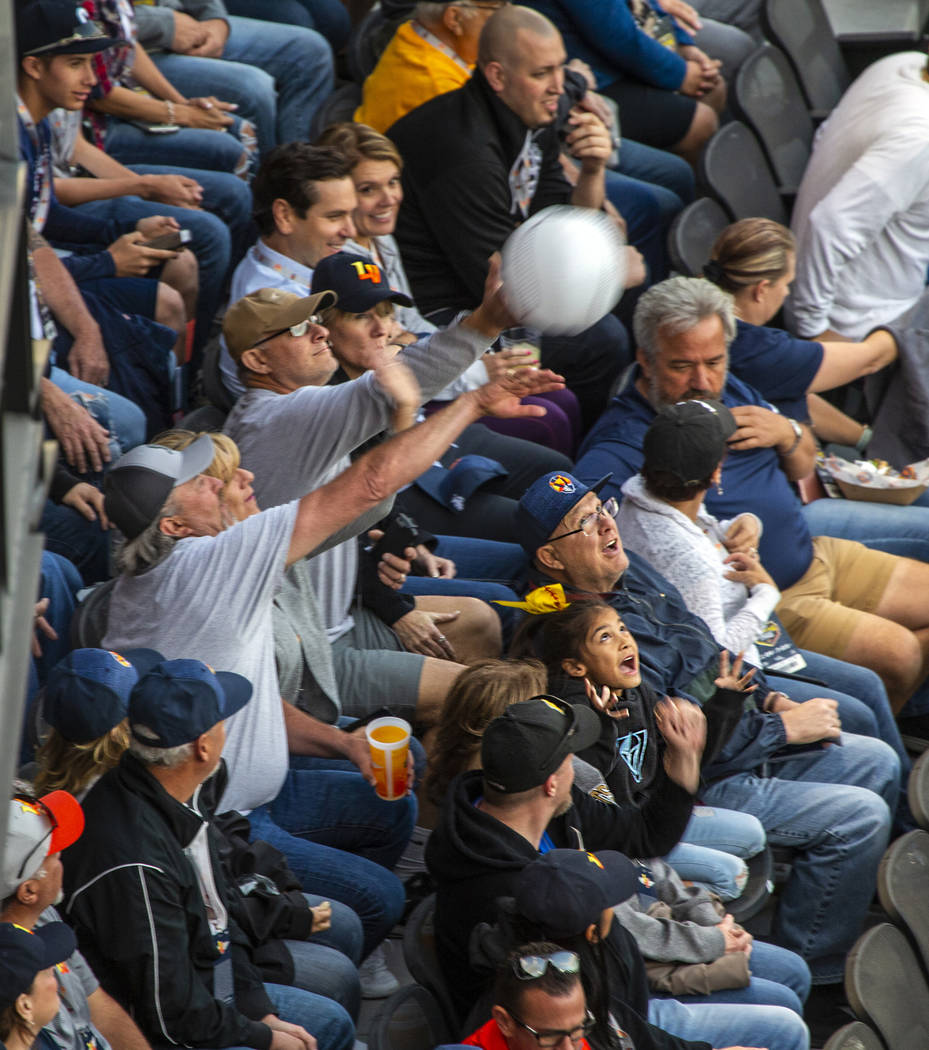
(139, 483)
(23, 954)
(358, 282)
(565, 890)
(688, 439)
(531, 739)
(59, 27)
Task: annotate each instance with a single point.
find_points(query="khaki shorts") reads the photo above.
(823, 608)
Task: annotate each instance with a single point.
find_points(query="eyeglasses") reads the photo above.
(532, 967)
(590, 521)
(551, 1038)
(37, 803)
(296, 330)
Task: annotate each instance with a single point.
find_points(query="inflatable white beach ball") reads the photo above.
(563, 269)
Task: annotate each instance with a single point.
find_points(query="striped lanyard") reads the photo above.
(41, 197)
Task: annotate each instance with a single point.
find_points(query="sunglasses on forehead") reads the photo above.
(296, 330)
(531, 967)
(36, 803)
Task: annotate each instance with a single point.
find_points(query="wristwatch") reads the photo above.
(798, 436)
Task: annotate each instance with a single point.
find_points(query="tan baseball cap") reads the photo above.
(268, 312)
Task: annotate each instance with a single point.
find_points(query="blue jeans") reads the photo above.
(327, 963)
(779, 978)
(341, 841)
(200, 148)
(321, 1017)
(329, 17)
(659, 167)
(649, 211)
(863, 708)
(486, 569)
(279, 75)
(218, 232)
(714, 847)
(127, 420)
(721, 1024)
(834, 807)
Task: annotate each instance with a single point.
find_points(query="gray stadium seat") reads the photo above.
(734, 169)
(767, 97)
(410, 1019)
(693, 233)
(801, 29)
(886, 988)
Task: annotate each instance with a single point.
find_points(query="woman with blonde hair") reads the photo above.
(754, 260)
(84, 706)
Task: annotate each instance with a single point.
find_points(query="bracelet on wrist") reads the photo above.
(862, 443)
(172, 112)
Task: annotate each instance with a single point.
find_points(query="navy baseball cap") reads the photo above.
(87, 692)
(24, 954)
(545, 503)
(530, 740)
(179, 700)
(59, 27)
(452, 486)
(688, 439)
(358, 282)
(565, 890)
(138, 484)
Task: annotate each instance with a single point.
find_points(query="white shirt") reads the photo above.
(862, 213)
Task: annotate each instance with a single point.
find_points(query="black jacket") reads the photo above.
(458, 150)
(134, 900)
(474, 858)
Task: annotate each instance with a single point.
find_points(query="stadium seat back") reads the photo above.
(735, 171)
(767, 97)
(692, 235)
(801, 29)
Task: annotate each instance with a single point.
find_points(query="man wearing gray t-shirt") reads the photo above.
(194, 586)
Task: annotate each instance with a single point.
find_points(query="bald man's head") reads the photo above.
(498, 37)
(522, 57)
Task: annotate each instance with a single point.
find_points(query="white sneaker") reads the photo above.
(377, 982)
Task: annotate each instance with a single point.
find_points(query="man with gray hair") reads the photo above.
(838, 597)
(195, 584)
(170, 950)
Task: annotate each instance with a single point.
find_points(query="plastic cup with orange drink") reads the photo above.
(389, 741)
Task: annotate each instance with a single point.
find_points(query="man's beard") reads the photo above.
(658, 399)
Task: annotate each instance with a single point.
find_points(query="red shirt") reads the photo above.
(489, 1037)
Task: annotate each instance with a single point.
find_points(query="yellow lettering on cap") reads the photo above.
(29, 807)
(119, 659)
(595, 860)
(367, 271)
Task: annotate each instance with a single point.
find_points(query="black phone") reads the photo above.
(170, 242)
(400, 534)
(381, 712)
